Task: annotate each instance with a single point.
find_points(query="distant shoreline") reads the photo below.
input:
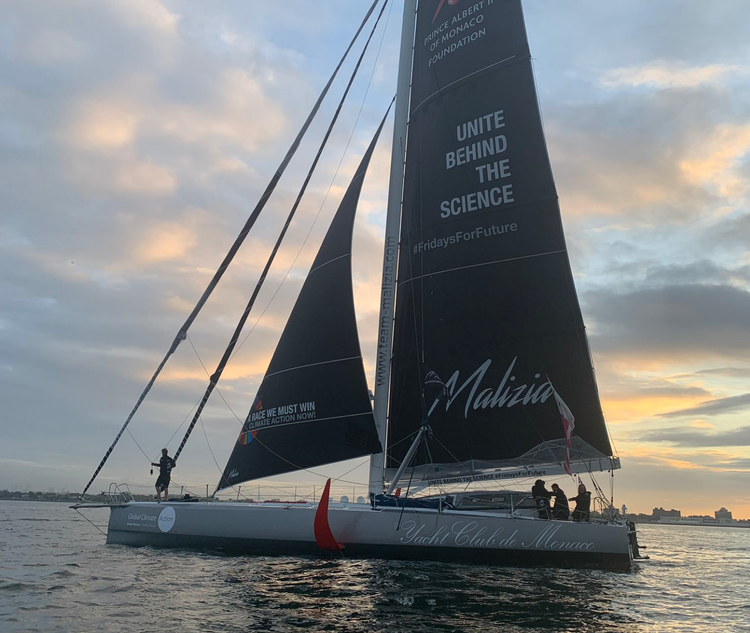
(57, 497)
(708, 525)
(39, 500)
(73, 497)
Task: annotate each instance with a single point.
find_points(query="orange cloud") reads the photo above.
(234, 371)
(226, 120)
(619, 409)
(666, 76)
(166, 242)
(702, 424)
(102, 125)
(715, 461)
(679, 464)
(712, 162)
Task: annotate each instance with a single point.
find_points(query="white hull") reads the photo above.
(466, 536)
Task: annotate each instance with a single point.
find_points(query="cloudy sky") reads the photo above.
(136, 136)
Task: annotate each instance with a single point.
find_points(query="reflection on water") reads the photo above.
(375, 595)
(56, 574)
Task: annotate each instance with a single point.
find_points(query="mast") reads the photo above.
(390, 254)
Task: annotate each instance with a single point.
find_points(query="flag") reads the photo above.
(569, 424)
(433, 384)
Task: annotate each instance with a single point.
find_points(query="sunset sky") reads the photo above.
(137, 135)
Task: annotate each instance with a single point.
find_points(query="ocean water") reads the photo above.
(57, 574)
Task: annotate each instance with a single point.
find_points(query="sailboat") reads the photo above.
(483, 374)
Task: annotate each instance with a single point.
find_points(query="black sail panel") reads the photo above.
(486, 297)
(313, 405)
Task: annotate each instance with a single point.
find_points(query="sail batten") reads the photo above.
(328, 262)
(323, 362)
(472, 75)
(498, 261)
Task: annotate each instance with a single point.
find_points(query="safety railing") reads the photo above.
(118, 494)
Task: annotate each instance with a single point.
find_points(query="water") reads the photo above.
(56, 574)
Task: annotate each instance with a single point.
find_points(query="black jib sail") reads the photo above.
(486, 300)
(313, 406)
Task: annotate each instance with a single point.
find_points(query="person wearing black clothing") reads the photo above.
(560, 510)
(583, 504)
(541, 496)
(165, 464)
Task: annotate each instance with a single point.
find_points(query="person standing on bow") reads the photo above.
(541, 496)
(165, 464)
(583, 504)
(560, 510)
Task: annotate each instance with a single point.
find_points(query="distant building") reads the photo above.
(721, 518)
(658, 513)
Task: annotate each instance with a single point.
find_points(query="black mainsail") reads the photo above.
(486, 299)
(313, 405)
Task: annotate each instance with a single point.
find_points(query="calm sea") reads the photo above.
(56, 574)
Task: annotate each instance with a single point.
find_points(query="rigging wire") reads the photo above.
(221, 395)
(296, 467)
(177, 430)
(150, 460)
(173, 434)
(182, 333)
(367, 90)
(328, 191)
(231, 410)
(90, 521)
(139, 446)
(216, 376)
(210, 450)
(369, 84)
